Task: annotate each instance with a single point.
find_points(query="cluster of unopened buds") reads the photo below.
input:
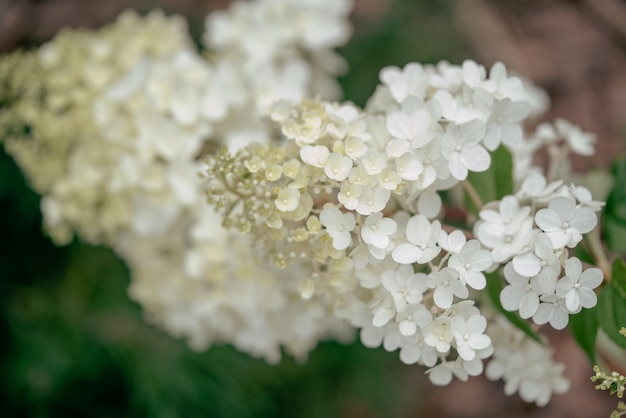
(326, 217)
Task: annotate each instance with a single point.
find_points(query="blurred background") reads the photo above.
(72, 344)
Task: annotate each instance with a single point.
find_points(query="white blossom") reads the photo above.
(461, 147)
(422, 246)
(564, 223)
(470, 262)
(376, 230)
(577, 286)
(339, 225)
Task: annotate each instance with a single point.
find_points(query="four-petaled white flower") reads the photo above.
(376, 230)
(339, 225)
(576, 287)
(461, 147)
(506, 230)
(519, 294)
(412, 123)
(338, 166)
(541, 262)
(469, 335)
(287, 199)
(552, 309)
(405, 286)
(470, 262)
(438, 334)
(413, 317)
(447, 285)
(564, 223)
(422, 246)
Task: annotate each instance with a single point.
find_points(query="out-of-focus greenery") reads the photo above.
(74, 344)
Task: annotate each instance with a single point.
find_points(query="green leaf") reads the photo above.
(611, 314)
(496, 182)
(494, 287)
(618, 277)
(614, 213)
(584, 328)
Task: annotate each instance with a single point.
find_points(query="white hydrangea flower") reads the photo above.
(469, 335)
(506, 230)
(582, 143)
(376, 230)
(412, 123)
(447, 284)
(338, 166)
(536, 187)
(287, 199)
(525, 365)
(438, 334)
(408, 81)
(339, 225)
(541, 262)
(405, 286)
(422, 246)
(470, 262)
(504, 123)
(411, 318)
(577, 286)
(461, 147)
(519, 294)
(442, 374)
(418, 352)
(372, 199)
(564, 223)
(552, 309)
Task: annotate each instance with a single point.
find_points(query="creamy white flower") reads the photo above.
(564, 223)
(580, 142)
(504, 123)
(411, 318)
(552, 309)
(412, 122)
(438, 334)
(519, 294)
(339, 225)
(287, 199)
(405, 286)
(337, 166)
(536, 187)
(577, 286)
(422, 246)
(447, 284)
(372, 199)
(461, 147)
(506, 230)
(408, 81)
(442, 374)
(542, 262)
(470, 335)
(317, 155)
(349, 195)
(470, 262)
(376, 230)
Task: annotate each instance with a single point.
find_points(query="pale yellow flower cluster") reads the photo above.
(109, 127)
(49, 95)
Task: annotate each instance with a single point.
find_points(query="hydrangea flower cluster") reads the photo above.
(52, 132)
(327, 218)
(357, 194)
(115, 151)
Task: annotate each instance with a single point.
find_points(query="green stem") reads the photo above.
(473, 194)
(597, 250)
